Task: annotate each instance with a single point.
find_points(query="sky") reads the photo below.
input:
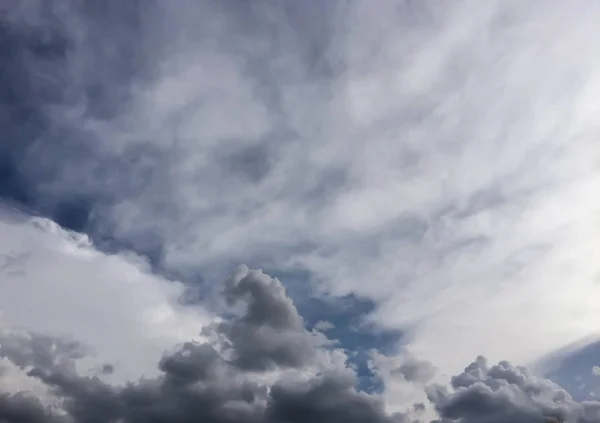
(299, 211)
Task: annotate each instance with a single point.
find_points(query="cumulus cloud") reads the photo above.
(197, 384)
(260, 364)
(62, 361)
(54, 282)
(272, 331)
(214, 379)
(504, 392)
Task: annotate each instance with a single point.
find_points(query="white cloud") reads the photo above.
(440, 159)
(53, 282)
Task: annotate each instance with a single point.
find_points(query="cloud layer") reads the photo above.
(439, 160)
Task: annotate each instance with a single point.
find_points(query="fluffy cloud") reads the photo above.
(503, 393)
(55, 283)
(256, 363)
(272, 331)
(259, 365)
(256, 375)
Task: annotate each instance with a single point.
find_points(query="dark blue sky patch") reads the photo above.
(12, 186)
(347, 315)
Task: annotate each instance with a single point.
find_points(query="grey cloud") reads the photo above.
(38, 350)
(504, 393)
(23, 408)
(271, 332)
(199, 381)
(328, 400)
(193, 362)
(219, 398)
(267, 302)
(107, 369)
(414, 370)
(501, 393)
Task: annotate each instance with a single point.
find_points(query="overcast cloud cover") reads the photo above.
(439, 160)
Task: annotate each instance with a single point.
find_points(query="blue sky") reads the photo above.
(423, 177)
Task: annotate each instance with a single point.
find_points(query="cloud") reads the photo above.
(507, 393)
(259, 364)
(20, 407)
(257, 361)
(439, 160)
(210, 379)
(324, 326)
(198, 384)
(272, 331)
(54, 282)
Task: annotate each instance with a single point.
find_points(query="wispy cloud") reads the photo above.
(439, 159)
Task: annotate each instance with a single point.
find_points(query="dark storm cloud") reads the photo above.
(22, 408)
